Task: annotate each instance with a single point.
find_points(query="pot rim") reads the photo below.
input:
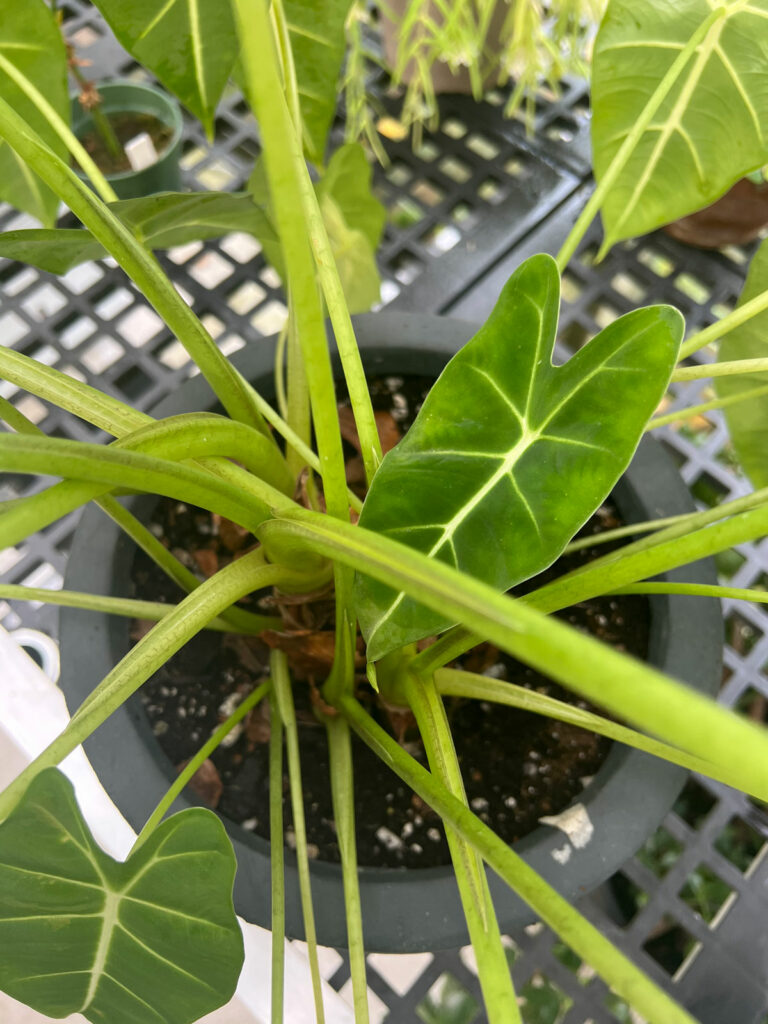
(172, 120)
(404, 910)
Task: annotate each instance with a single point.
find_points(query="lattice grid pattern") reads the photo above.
(464, 209)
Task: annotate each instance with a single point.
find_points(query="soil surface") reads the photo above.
(126, 127)
(517, 766)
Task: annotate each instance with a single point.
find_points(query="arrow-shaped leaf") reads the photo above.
(189, 45)
(748, 419)
(509, 454)
(160, 221)
(711, 129)
(316, 28)
(154, 940)
(33, 75)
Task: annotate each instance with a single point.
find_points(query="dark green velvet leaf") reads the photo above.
(160, 221)
(748, 420)
(510, 455)
(154, 940)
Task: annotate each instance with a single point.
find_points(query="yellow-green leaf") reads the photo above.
(748, 420)
(33, 74)
(710, 130)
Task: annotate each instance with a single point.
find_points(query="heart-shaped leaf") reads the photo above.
(509, 454)
(189, 45)
(160, 222)
(154, 940)
(711, 129)
(33, 73)
(748, 419)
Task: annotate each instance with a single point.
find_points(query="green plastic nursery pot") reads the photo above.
(404, 910)
(133, 98)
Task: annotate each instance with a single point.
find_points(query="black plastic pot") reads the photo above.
(133, 98)
(403, 910)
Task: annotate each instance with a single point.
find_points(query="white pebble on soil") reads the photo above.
(388, 839)
(228, 707)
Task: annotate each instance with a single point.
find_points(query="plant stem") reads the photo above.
(62, 129)
(71, 395)
(456, 683)
(493, 967)
(648, 561)
(641, 695)
(627, 148)
(247, 574)
(236, 619)
(129, 608)
(327, 271)
(277, 860)
(279, 371)
(697, 410)
(734, 319)
(101, 122)
(265, 94)
(696, 590)
(630, 530)
(113, 416)
(299, 409)
(189, 769)
(342, 790)
(458, 641)
(288, 180)
(112, 467)
(617, 970)
(281, 682)
(729, 369)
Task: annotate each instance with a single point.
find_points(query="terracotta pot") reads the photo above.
(736, 218)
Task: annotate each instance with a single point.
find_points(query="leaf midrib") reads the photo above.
(527, 439)
(109, 920)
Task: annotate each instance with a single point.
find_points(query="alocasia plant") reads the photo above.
(508, 456)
